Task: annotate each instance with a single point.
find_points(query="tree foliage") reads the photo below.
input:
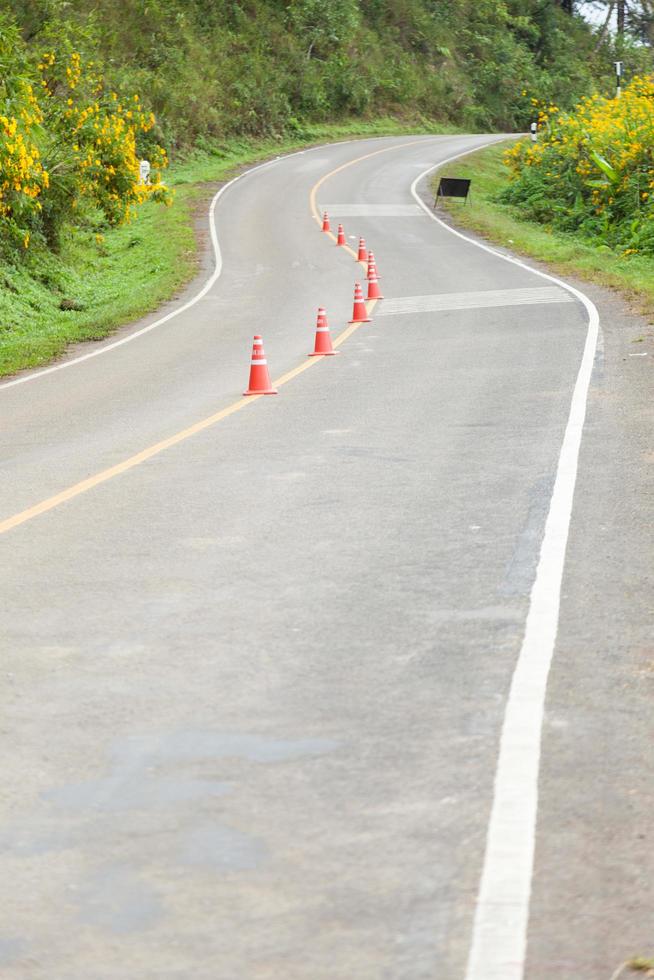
(592, 170)
(213, 68)
(68, 144)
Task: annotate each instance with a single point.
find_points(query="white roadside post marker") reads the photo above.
(144, 171)
(533, 129)
(618, 78)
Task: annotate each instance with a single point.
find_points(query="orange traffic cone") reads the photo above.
(259, 377)
(341, 236)
(325, 222)
(359, 311)
(323, 345)
(372, 265)
(373, 285)
(363, 255)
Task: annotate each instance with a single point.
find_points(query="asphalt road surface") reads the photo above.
(256, 680)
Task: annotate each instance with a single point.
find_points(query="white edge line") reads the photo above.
(42, 372)
(499, 935)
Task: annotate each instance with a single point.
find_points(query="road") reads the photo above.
(256, 679)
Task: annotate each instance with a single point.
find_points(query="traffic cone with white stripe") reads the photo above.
(323, 344)
(359, 311)
(363, 254)
(325, 222)
(373, 284)
(259, 377)
(372, 266)
(341, 236)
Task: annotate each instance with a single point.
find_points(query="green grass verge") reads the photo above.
(633, 275)
(116, 277)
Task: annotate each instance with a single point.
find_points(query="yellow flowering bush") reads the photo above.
(68, 148)
(23, 178)
(94, 158)
(592, 170)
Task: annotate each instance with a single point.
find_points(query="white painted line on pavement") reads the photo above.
(499, 937)
(474, 300)
(372, 210)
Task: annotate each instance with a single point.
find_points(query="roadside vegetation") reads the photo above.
(88, 90)
(97, 280)
(491, 213)
(591, 172)
(68, 147)
(211, 69)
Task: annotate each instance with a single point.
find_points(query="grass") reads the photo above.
(633, 275)
(102, 279)
(636, 965)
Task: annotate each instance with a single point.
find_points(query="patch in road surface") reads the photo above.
(118, 900)
(222, 849)
(521, 570)
(474, 300)
(134, 792)
(149, 770)
(151, 809)
(151, 775)
(10, 949)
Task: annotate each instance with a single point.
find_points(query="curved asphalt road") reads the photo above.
(255, 685)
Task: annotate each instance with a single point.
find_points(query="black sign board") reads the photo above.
(453, 187)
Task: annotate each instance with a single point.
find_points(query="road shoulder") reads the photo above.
(594, 860)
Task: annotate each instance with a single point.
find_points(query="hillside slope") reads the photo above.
(213, 68)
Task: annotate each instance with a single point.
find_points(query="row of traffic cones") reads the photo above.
(362, 254)
(367, 258)
(260, 383)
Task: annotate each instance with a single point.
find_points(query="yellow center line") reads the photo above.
(342, 337)
(316, 187)
(128, 464)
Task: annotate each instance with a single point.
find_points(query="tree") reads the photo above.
(323, 25)
(640, 21)
(631, 19)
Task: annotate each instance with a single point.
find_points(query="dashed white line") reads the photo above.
(372, 210)
(474, 300)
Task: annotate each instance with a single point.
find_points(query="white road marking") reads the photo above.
(499, 936)
(372, 210)
(474, 300)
